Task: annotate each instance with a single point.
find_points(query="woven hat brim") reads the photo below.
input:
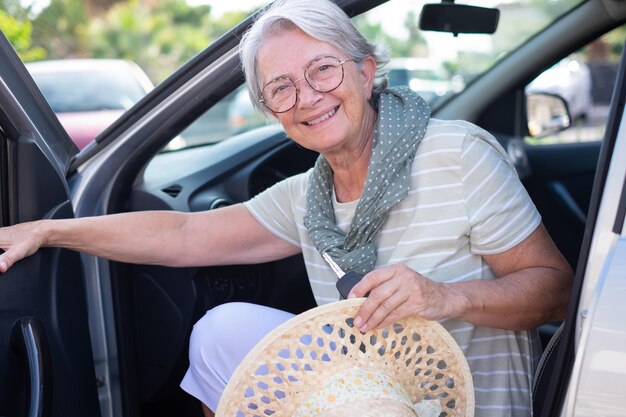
(299, 356)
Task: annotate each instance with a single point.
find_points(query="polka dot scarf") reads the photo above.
(402, 120)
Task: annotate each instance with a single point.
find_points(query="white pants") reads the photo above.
(219, 342)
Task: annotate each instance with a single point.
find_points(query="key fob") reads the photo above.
(346, 282)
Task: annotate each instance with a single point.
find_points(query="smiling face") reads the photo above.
(329, 123)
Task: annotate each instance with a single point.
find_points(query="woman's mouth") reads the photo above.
(321, 118)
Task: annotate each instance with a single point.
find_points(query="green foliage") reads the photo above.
(159, 36)
(16, 9)
(19, 34)
(61, 29)
(374, 32)
(615, 41)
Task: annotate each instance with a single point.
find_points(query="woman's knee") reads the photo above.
(213, 331)
(227, 332)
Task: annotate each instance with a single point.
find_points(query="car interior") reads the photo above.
(141, 316)
(156, 307)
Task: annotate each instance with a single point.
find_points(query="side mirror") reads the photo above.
(458, 18)
(546, 114)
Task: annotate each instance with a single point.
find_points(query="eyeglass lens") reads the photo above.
(323, 75)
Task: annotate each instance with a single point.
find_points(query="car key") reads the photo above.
(346, 280)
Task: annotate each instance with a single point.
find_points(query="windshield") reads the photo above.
(436, 65)
(161, 38)
(89, 91)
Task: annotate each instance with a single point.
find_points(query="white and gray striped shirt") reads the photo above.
(465, 200)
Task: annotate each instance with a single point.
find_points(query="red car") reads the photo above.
(87, 95)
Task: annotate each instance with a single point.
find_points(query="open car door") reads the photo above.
(46, 364)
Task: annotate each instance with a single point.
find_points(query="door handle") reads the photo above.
(29, 342)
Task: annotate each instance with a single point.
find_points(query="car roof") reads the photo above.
(90, 65)
(82, 65)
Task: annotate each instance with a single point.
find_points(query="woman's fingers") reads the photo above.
(382, 305)
(372, 280)
(397, 292)
(9, 257)
(18, 242)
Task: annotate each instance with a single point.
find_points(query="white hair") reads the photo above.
(320, 19)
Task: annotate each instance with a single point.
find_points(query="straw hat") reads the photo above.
(320, 364)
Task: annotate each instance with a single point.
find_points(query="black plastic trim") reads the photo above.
(617, 113)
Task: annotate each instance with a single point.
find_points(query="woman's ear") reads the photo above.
(368, 74)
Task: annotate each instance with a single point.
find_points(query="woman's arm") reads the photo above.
(229, 235)
(532, 288)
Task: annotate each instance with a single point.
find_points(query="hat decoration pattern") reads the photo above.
(320, 364)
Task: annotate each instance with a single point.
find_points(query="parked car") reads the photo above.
(84, 336)
(423, 75)
(87, 95)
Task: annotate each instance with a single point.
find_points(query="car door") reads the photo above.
(46, 365)
(588, 371)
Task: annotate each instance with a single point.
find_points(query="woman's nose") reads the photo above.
(307, 95)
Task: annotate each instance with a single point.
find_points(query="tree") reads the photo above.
(374, 32)
(61, 29)
(99, 7)
(19, 34)
(159, 36)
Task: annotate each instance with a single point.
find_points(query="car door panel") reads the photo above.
(559, 183)
(178, 297)
(45, 351)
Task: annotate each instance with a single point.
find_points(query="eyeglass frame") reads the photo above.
(262, 99)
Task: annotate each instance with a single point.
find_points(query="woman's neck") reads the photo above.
(350, 166)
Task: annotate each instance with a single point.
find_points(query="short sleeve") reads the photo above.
(276, 208)
(500, 211)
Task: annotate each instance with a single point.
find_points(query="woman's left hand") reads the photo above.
(396, 292)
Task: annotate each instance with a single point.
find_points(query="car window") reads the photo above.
(436, 65)
(447, 63)
(232, 115)
(584, 80)
(90, 91)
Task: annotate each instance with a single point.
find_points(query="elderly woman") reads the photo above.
(430, 212)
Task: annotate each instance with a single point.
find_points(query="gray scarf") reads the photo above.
(401, 124)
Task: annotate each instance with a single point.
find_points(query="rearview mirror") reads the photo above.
(458, 18)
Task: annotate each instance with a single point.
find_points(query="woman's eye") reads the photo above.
(325, 68)
(280, 89)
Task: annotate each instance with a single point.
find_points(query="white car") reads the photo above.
(570, 79)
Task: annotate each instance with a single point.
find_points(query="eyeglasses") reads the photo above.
(323, 75)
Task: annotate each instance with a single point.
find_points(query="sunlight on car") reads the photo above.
(88, 95)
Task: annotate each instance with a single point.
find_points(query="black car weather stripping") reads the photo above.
(613, 126)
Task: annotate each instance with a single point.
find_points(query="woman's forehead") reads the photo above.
(289, 52)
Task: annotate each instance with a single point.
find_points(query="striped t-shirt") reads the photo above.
(465, 200)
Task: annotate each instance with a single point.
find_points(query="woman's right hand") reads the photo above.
(19, 241)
